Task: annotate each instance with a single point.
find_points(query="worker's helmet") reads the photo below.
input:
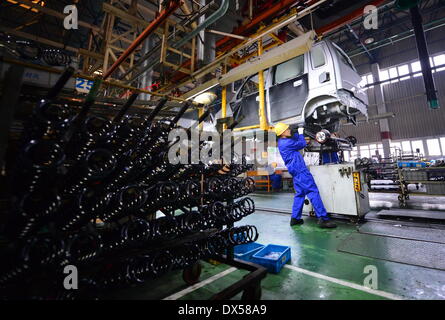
(280, 128)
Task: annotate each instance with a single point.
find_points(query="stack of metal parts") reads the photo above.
(101, 195)
(432, 177)
(382, 176)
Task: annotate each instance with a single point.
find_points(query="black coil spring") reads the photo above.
(55, 57)
(139, 269)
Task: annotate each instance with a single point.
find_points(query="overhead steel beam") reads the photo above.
(279, 6)
(172, 6)
(277, 55)
(38, 39)
(57, 14)
(52, 43)
(347, 19)
(227, 34)
(264, 32)
(359, 41)
(132, 18)
(107, 83)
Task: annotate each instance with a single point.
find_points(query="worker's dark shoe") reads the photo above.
(294, 222)
(326, 224)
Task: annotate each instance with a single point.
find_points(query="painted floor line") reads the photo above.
(201, 284)
(345, 283)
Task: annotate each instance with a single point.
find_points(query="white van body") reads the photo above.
(315, 90)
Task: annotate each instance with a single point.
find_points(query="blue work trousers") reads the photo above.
(304, 185)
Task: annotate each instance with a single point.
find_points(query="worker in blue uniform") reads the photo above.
(304, 184)
(329, 157)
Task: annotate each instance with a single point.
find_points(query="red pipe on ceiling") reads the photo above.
(281, 5)
(346, 19)
(172, 6)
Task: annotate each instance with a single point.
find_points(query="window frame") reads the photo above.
(412, 73)
(274, 78)
(318, 47)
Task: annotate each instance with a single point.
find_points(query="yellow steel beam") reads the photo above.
(176, 67)
(181, 53)
(54, 13)
(222, 59)
(275, 37)
(107, 83)
(262, 106)
(224, 101)
(256, 126)
(255, 53)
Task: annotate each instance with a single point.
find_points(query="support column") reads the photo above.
(201, 38)
(385, 133)
(12, 84)
(262, 104)
(147, 78)
(424, 58)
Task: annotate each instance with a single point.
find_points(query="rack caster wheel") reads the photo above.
(312, 213)
(191, 274)
(252, 293)
(354, 220)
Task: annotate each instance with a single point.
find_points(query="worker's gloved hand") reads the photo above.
(300, 130)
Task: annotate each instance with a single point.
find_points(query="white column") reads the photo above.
(385, 133)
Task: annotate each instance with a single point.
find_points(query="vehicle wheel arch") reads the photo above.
(317, 101)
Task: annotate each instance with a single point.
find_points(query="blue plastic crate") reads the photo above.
(404, 164)
(411, 164)
(246, 251)
(273, 257)
(419, 165)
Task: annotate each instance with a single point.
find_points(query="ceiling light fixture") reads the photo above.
(205, 98)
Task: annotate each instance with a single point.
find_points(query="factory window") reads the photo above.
(289, 69)
(373, 148)
(418, 144)
(433, 147)
(396, 148)
(439, 61)
(354, 154)
(393, 74)
(364, 152)
(415, 67)
(367, 80)
(384, 76)
(380, 149)
(396, 145)
(370, 80)
(442, 142)
(406, 147)
(403, 70)
(317, 55)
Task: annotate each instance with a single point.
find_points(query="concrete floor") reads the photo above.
(315, 250)
(317, 270)
(280, 201)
